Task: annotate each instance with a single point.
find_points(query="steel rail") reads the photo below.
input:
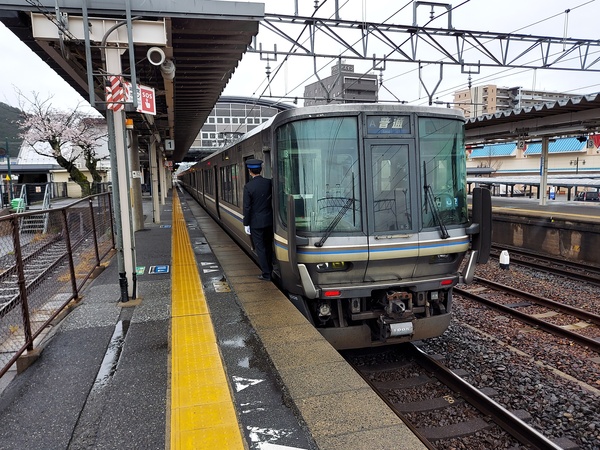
(534, 322)
(500, 415)
(571, 269)
(571, 310)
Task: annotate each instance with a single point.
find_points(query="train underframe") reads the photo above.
(387, 316)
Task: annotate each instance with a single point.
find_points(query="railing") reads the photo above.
(34, 192)
(42, 272)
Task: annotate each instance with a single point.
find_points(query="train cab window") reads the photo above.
(391, 195)
(318, 166)
(443, 172)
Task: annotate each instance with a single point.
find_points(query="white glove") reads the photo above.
(247, 229)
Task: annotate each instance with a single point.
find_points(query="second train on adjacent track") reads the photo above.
(371, 220)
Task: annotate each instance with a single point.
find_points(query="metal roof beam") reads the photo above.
(423, 45)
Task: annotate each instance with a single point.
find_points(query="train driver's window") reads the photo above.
(318, 165)
(443, 171)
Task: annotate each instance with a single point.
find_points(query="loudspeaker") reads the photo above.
(156, 56)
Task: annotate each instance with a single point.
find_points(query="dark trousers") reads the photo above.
(263, 244)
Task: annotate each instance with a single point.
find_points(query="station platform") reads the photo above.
(207, 357)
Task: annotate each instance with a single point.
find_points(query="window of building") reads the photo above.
(219, 120)
(211, 120)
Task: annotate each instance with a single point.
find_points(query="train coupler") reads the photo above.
(398, 304)
(388, 329)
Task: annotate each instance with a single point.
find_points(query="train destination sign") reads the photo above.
(388, 124)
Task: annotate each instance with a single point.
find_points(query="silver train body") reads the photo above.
(370, 215)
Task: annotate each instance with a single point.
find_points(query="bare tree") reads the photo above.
(65, 136)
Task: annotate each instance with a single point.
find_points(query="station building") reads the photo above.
(231, 118)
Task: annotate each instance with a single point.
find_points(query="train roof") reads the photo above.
(380, 108)
(344, 108)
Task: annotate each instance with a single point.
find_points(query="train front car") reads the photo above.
(372, 221)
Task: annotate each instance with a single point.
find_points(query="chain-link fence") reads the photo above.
(46, 256)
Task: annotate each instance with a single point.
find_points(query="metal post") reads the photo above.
(544, 171)
(136, 182)
(163, 179)
(154, 180)
(120, 172)
(94, 231)
(117, 232)
(22, 284)
(10, 185)
(70, 253)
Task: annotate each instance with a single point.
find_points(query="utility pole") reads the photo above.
(6, 152)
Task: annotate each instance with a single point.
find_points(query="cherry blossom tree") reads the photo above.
(93, 134)
(65, 136)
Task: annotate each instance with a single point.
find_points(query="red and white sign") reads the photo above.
(114, 94)
(146, 99)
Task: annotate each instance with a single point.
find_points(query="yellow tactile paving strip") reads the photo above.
(202, 412)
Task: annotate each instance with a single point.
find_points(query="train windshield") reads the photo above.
(318, 165)
(444, 176)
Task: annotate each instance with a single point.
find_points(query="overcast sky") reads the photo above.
(27, 73)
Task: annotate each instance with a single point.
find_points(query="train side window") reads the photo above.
(229, 189)
(209, 182)
(246, 172)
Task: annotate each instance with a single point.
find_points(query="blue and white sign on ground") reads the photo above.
(159, 269)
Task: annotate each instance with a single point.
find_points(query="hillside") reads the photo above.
(8, 128)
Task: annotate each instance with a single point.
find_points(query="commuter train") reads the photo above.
(371, 220)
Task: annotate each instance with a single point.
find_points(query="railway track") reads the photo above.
(557, 266)
(440, 407)
(515, 303)
(37, 264)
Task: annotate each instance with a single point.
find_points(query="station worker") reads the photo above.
(258, 216)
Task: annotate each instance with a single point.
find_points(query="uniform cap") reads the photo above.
(253, 163)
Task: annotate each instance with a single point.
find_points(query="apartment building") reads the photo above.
(490, 98)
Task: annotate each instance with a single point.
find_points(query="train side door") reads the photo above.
(391, 209)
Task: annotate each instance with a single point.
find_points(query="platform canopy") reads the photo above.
(569, 117)
(205, 40)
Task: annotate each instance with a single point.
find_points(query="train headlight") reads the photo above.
(324, 311)
(442, 259)
(337, 266)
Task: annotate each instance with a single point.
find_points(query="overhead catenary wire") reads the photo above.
(445, 91)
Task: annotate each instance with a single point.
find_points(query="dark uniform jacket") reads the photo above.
(258, 212)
